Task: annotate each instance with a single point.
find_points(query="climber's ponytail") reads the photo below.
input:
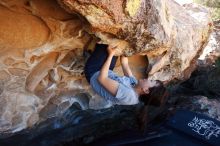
(156, 97)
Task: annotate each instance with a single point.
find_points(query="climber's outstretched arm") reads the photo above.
(125, 66)
(104, 80)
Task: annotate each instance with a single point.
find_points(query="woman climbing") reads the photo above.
(121, 90)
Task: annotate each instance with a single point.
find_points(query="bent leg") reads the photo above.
(96, 61)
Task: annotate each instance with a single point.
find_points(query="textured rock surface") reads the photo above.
(36, 41)
(212, 50)
(79, 127)
(200, 104)
(41, 52)
(84, 126)
(171, 36)
(41, 63)
(200, 93)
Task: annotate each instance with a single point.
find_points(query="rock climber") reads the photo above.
(121, 90)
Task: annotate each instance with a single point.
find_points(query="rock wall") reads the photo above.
(41, 63)
(41, 51)
(170, 35)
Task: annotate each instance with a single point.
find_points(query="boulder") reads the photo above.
(170, 35)
(42, 60)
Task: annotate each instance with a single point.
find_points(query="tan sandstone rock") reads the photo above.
(171, 36)
(41, 50)
(20, 31)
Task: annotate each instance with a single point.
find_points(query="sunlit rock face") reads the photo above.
(171, 35)
(212, 50)
(41, 50)
(42, 61)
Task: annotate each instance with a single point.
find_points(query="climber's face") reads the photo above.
(146, 84)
